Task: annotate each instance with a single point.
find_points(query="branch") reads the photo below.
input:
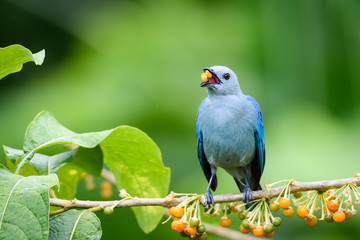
(234, 197)
(210, 228)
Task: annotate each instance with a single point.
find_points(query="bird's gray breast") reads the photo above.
(227, 126)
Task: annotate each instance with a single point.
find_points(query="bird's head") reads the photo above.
(220, 80)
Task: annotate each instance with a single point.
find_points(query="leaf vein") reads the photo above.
(7, 201)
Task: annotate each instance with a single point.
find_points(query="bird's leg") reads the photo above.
(247, 190)
(209, 200)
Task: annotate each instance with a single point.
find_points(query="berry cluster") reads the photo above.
(187, 218)
(334, 205)
(258, 219)
(225, 209)
(283, 200)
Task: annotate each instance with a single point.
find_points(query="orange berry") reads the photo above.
(225, 221)
(203, 77)
(191, 231)
(332, 205)
(177, 226)
(311, 220)
(339, 216)
(348, 215)
(105, 185)
(176, 211)
(106, 193)
(269, 235)
(234, 209)
(302, 211)
(83, 175)
(258, 231)
(288, 212)
(284, 202)
(208, 74)
(244, 230)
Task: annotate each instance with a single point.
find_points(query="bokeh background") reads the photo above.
(138, 62)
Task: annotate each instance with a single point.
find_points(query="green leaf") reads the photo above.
(132, 156)
(68, 166)
(13, 57)
(12, 155)
(69, 176)
(74, 224)
(24, 205)
(136, 163)
(88, 160)
(42, 164)
(45, 131)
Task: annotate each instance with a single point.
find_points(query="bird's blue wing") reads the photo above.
(201, 154)
(257, 165)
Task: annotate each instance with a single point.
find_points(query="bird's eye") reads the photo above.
(226, 76)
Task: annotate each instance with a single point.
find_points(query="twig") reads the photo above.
(296, 187)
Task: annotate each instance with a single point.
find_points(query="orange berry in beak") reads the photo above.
(204, 77)
(208, 74)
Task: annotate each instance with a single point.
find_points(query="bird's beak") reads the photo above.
(209, 77)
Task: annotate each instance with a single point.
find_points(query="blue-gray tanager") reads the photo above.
(230, 133)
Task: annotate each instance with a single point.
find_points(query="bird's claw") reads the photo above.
(247, 195)
(209, 200)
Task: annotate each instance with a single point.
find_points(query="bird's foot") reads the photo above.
(209, 200)
(247, 195)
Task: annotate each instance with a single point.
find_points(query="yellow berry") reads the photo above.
(244, 230)
(203, 77)
(208, 74)
(288, 212)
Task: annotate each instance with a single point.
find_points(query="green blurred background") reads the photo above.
(110, 63)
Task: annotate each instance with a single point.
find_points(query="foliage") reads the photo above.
(75, 224)
(132, 156)
(13, 57)
(24, 198)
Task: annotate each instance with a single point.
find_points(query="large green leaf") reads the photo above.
(24, 205)
(136, 163)
(45, 131)
(13, 57)
(132, 156)
(75, 224)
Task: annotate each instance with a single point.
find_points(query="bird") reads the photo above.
(230, 133)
